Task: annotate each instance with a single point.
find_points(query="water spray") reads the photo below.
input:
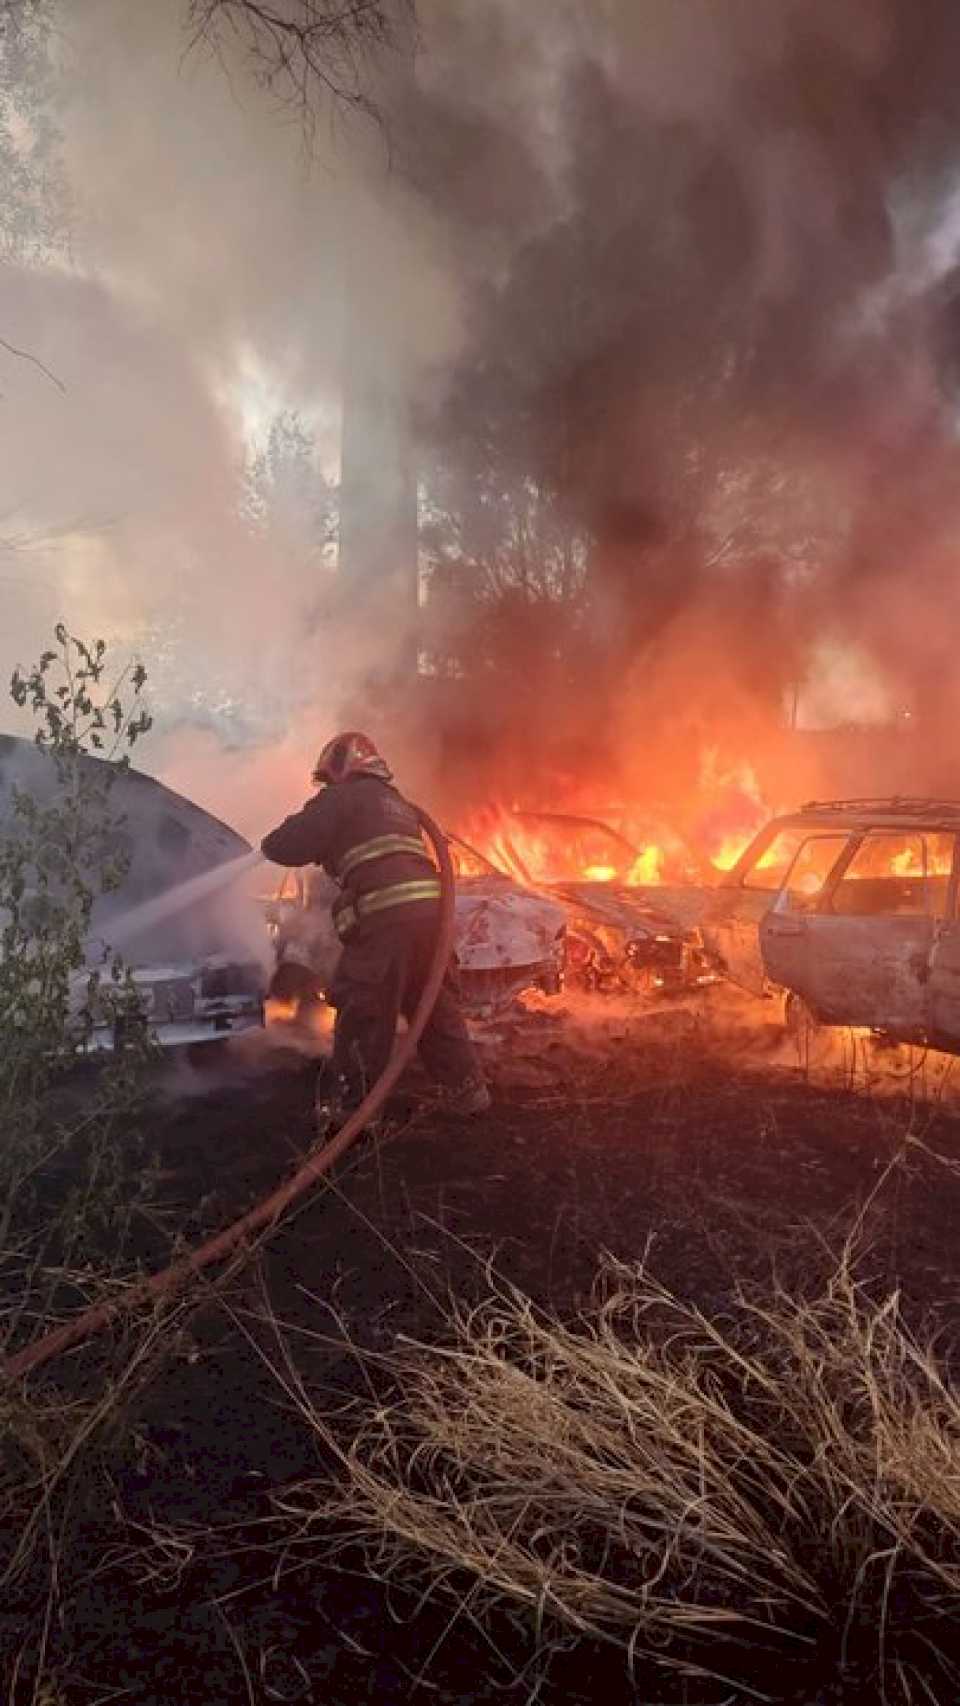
(266, 1215)
(152, 912)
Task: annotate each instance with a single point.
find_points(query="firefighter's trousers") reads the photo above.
(383, 968)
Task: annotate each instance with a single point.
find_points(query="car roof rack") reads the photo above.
(893, 805)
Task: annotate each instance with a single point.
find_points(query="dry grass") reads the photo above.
(57, 1460)
(770, 1496)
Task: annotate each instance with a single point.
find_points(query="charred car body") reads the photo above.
(848, 909)
(625, 931)
(507, 939)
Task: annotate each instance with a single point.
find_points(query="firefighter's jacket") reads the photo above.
(367, 837)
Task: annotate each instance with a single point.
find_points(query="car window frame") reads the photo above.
(734, 879)
(573, 822)
(490, 870)
(824, 907)
(950, 911)
(761, 843)
(820, 833)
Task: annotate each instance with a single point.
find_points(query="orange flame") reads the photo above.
(560, 854)
(728, 809)
(734, 807)
(647, 869)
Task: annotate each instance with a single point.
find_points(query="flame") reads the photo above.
(317, 1019)
(939, 858)
(734, 846)
(734, 808)
(729, 851)
(727, 809)
(560, 853)
(724, 811)
(647, 869)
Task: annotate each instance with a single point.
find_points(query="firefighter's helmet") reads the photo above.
(350, 754)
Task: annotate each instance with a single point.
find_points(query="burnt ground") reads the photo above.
(659, 1137)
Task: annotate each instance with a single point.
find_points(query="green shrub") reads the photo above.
(70, 1168)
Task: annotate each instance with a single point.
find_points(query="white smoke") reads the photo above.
(205, 289)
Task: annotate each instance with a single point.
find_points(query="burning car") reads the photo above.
(195, 950)
(507, 939)
(848, 910)
(628, 925)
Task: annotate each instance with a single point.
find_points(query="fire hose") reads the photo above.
(266, 1214)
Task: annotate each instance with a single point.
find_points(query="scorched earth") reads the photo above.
(684, 1138)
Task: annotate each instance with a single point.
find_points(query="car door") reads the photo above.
(944, 985)
(732, 926)
(866, 947)
(783, 932)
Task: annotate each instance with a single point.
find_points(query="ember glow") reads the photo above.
(627, 844)
(313, 1021)
(920, 856)
(729, 851)
(737, 809)
(648, 868)
(548, 848)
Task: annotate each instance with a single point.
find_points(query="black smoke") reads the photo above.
(703, 260)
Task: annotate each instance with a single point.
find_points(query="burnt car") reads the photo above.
(507, 939)
(847, 909)
(626, 927)
(197, 952)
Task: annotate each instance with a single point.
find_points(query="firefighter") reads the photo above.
(367, 837)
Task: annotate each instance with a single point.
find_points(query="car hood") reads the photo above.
(498, 925)
(654, 910)
(167, 841)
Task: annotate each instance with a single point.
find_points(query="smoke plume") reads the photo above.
(664, 298)
(713, 309)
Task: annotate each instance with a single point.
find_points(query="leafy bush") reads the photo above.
(67, 1168)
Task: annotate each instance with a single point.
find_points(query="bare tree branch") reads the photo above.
(307, 49)
(24, 355)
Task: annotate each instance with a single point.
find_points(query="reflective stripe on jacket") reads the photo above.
(379, 848)
(348, 911)
(344, 818)
(367, 837)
